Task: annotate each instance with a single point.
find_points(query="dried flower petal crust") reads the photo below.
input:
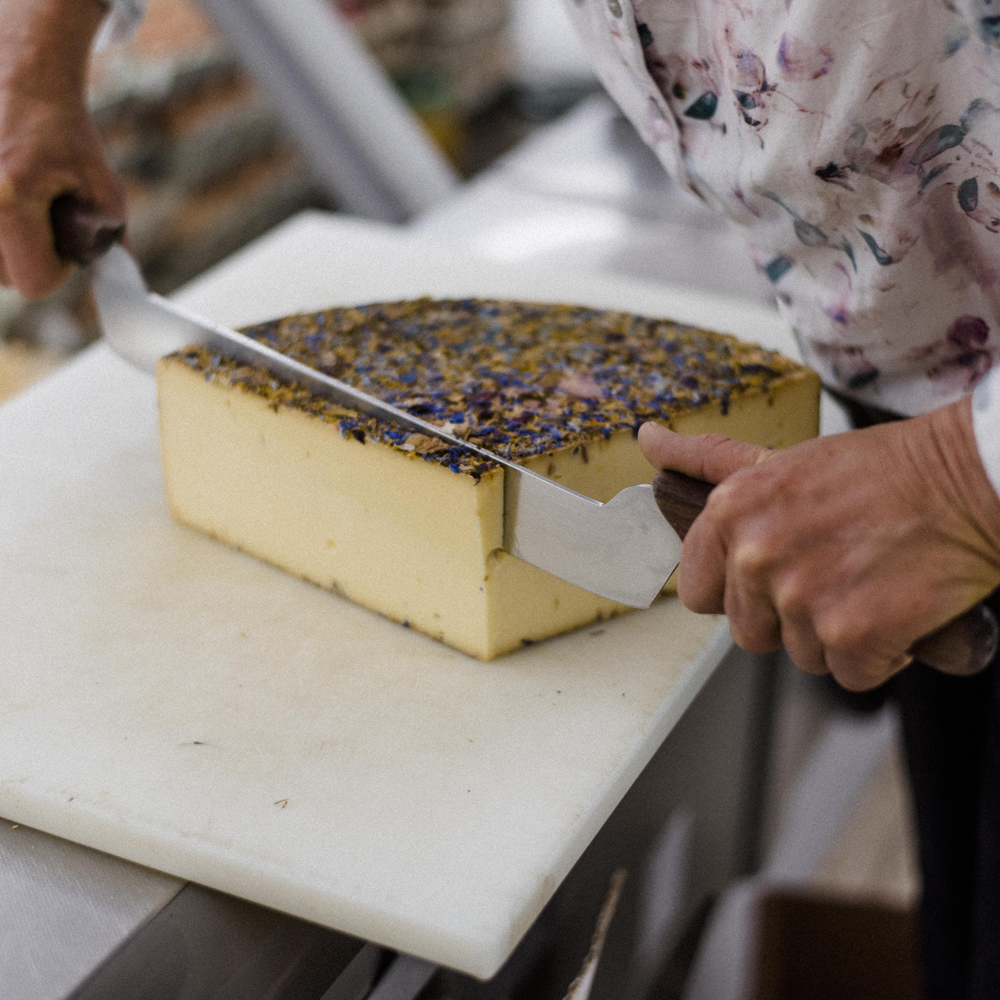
(520, 379)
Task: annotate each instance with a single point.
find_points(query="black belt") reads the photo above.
(864, 414)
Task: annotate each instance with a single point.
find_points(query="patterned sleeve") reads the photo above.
(986, 424)
(122, 18)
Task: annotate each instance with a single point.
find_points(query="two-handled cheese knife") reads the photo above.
(623, 550)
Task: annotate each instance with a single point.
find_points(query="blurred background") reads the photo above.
(215, 123)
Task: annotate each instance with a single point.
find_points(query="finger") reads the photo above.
(753, 626)
(26, 244)
(753, 620)
(867, 632)
(794, 596)
(711, 457)
(705, 557)
(863, 671)
(801, 643)
(701, 578)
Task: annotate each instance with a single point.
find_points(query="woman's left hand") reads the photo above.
(845, 549)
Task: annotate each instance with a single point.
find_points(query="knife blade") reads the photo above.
(623, 550)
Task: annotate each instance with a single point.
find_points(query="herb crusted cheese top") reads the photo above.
(517, 378)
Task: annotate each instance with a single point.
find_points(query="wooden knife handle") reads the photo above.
(680, 498)
(962, 647)
(82, 232)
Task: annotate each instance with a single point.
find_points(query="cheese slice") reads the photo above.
(403, 524)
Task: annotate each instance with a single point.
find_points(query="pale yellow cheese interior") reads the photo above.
(397, 534)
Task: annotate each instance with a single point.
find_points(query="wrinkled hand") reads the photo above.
(48, 144)
(846, 549)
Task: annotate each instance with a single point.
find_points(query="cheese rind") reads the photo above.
(414, 536)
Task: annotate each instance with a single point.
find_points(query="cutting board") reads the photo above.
(174, 702)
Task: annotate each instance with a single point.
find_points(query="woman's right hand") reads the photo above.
(48, 143)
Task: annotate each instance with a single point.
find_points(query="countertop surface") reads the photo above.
(171, 701)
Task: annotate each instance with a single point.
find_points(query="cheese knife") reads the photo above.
(623, 550)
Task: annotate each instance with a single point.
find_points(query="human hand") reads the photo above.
(48, 143)
(845, 549)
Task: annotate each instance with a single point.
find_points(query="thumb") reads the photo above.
(711, 457)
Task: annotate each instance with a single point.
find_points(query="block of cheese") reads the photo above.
(410, 527)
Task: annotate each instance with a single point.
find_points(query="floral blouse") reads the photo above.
(857, 142)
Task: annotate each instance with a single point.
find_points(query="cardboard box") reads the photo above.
(825, 948)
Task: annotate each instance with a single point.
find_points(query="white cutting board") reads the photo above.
(171, 701)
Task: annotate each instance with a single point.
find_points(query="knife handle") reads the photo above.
(962, 647)
(81, 231)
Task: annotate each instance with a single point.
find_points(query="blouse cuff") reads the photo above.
(986, 424)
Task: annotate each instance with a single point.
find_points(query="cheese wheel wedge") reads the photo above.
(407, 526)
